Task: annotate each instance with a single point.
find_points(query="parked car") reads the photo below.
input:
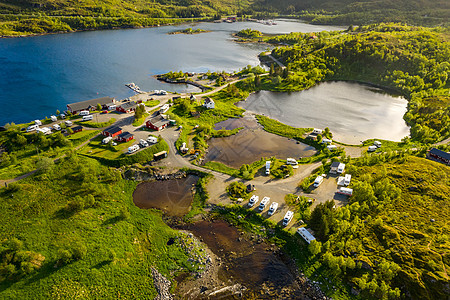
(263, 203)
(287, 217)
(143, 143)
(253, 200)
(273, 208)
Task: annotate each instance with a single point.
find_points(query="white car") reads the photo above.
(263, 203)
(143, 143)
(288, 217)
(273, 208)
(253, 200)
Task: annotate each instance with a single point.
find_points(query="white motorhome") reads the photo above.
(331, 147)
(347, 179)
(143, 143)
(267, 167)
(87, 118)
(341, 168)
(164, 108)
(152, 139)
(32, 128)
(253, 200)
(372, 148)
(263, 203)
(287, 217)
(377, 144)
(317, 131)
(318, 181)
(273, 208)
(112, 107)
(53, 118)
(62, 116)
(292, 162)
(37, 122)
(56, 127)
(326, 141)
(133, 149)
(345, 191)
(44, 130)
(106, 140)
(68, 123)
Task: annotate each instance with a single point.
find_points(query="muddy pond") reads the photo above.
(260, 269)
(252, 143)
(174, 196)
(354, 112)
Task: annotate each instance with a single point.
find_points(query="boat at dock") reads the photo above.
(134, 87)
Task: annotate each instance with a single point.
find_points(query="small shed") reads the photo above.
(125, 137)
(157, 123)
(337, 167)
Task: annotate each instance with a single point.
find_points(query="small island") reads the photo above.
(189, 31)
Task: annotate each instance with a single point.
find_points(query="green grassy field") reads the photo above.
(74, 232)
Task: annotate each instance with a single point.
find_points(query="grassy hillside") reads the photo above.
(393, 237)
(72, 231)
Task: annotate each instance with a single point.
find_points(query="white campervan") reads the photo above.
(68, 123)
(287, 217)
(84, 113)
(318, 181)
(273, 208)
(56, 127)
(32, 128)
(253, 200)
(263, 203)
(87, 118)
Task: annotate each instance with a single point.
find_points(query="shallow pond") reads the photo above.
(174, 196)
(252, 143)
(354, 112)
(248, 262)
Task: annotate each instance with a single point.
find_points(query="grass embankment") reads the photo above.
(97, 124)
(151, 103)
(115, 156)
(141, 120)
(27, 149)
(74, 230)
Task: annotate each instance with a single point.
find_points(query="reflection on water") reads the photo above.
(251, 144)
(354, 112)
(174, 196)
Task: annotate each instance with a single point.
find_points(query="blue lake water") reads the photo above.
(41, 74)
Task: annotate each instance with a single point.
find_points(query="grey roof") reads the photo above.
(158, 121)
(89, 103)
(335, 164)
(125, 135)
(440, 153)
(128, 105)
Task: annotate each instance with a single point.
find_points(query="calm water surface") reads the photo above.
(354, 112)
(41, 74)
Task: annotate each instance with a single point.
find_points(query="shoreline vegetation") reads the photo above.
(189, 31)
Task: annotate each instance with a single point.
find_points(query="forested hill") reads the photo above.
(120, 8)
(419, 12)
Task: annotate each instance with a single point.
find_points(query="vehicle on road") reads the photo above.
(143, 143)
(263, 203)
(318, 181)
(288, 217)
(273, 208)
(253, 200)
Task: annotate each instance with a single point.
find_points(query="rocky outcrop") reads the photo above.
(162, 286)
